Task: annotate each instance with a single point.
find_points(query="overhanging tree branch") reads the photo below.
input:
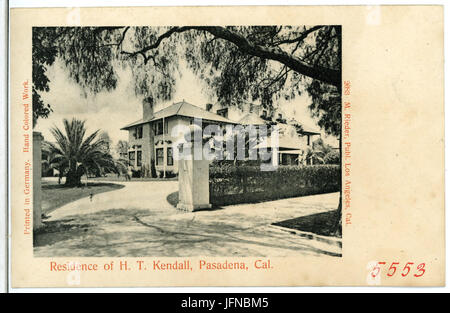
(320, 73)
(301, 37)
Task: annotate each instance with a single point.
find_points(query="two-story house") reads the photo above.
(161, 123)
(292, 138)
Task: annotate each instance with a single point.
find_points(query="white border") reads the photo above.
(3, 144)
(115, 3)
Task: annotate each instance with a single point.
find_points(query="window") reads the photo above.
(169, 156)
(166, 126)
(158, 128)
(139, 132)
(159, 156)
(139, 158)
(264, 114)
(223, 112)
(131, 156)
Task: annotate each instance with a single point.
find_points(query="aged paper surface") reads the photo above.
(392, 167)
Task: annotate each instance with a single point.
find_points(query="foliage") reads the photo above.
(76, 155)
(122, 147)
(237, 75)
(332, 157)
(236, 63)
(316, 153)
(312, 156)
(44, 53)
(238, 184)
(326, 107)
(107, 141)
(51, 159)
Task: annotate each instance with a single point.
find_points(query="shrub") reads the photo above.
(231, 184)
(332, 157)
(135, 174)
(169, 174)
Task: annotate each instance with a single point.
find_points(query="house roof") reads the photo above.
(251, 119)
(310, 131)
(306, 129)
(182, 109)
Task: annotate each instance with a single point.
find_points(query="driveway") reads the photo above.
(138, 221)
(136, 195)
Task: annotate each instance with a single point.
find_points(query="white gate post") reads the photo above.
(193, 178)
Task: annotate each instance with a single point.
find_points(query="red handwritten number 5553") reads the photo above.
(420, 269)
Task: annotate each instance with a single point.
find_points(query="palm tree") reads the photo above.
(313, 156)
(52, 159)
(77, 155)
(316, 153)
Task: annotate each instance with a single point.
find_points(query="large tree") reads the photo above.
(237, 63)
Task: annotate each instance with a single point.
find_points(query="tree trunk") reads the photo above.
(338, 221)
(337, 229)
(73, 178)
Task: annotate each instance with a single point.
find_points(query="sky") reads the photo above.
(111, 110)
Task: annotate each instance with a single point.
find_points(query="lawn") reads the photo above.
(55, 195)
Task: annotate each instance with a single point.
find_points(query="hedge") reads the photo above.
(230, 184)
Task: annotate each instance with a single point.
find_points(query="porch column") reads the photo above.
(275, 157)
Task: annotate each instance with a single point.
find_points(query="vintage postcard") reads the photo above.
(227, 146)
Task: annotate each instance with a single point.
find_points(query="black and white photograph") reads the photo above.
(187, 141)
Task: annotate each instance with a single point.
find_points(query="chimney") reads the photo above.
(147, 108)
